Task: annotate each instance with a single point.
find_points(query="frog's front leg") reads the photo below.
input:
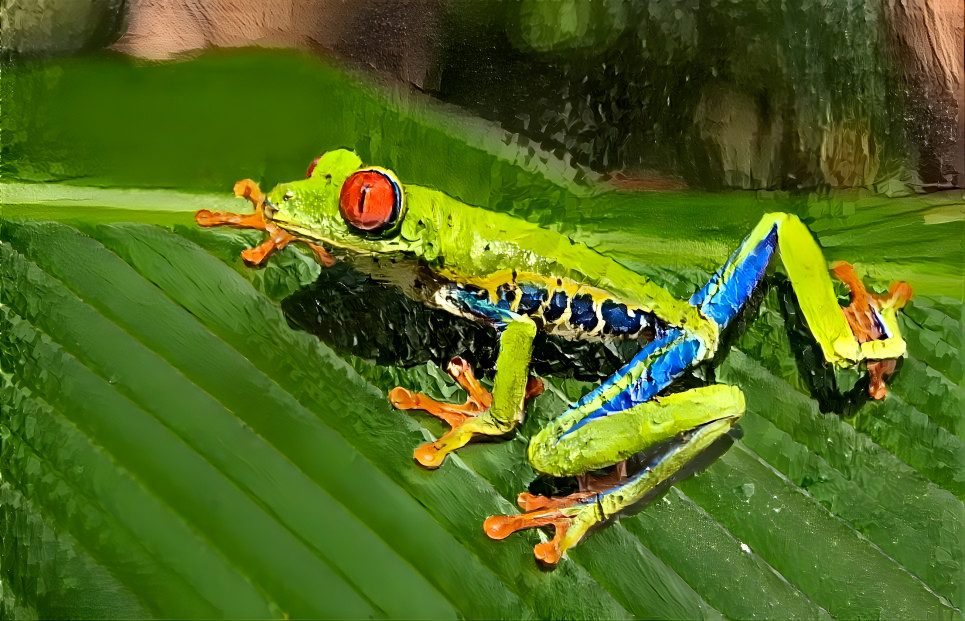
(484, 413)
(278, 237)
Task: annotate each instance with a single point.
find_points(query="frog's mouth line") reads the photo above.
(306, 234)
(300, 232)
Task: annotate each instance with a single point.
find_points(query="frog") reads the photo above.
(520, 278)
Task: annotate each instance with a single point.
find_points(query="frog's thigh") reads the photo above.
(607, 440)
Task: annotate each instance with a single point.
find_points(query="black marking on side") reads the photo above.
(557, 306)
(505, 296)
(619, 320)
(478, 292)
(582, 312)
(531, 299)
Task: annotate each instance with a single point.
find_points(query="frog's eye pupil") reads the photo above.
(365, 193)
(370, 200)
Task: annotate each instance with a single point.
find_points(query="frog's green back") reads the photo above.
(472, 244)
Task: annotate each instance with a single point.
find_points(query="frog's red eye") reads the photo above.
(370, 200)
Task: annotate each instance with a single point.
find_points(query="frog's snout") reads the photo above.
(268, 209)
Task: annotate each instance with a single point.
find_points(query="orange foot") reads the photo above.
(861, 317)
(278, 238)
(465, 420)
(570, 518)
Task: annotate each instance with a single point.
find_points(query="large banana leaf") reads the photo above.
(173, 447)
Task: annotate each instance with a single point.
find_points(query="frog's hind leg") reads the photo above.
(278, 238)
(716, 408)
(590, 485)
(865, 331)
(620, 418)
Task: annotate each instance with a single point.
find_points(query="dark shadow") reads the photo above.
(836, 390)
(355, 314)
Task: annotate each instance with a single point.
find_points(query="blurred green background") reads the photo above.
(650, 94)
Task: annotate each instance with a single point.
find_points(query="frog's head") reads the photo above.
(341, 204)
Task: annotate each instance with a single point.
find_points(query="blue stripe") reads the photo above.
(730, 295)
(651, 348)
(661, 373)
(671, 362)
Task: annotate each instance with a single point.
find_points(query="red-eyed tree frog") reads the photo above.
(520, 278)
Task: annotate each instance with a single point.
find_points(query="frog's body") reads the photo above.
(520, 278)
(487, 250)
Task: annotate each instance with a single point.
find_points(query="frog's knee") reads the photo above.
(779, 218)
(731, 403)
(545, 453)
(554, 452)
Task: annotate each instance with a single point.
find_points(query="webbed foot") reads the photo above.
(466, 420)
(278, 238)
(570, 515)
(570, 518)
(863, 317)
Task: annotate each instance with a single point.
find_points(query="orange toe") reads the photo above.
(246, 188)
(532, 502)
(534, 387)
(429, 456)
(502, 526)
(898, 295)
